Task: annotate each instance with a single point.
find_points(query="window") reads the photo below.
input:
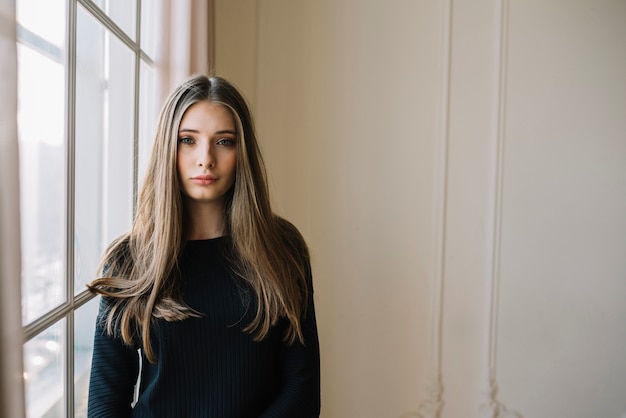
(86, 109)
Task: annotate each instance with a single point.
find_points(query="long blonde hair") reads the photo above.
(140, 269)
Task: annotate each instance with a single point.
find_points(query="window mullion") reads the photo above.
(71, 175)
(108, 23)
(69, 366)
(136, 107)
(41, 324)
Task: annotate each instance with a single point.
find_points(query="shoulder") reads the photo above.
(297, 247)
(120, 244)
(291, 236)
(117, 257)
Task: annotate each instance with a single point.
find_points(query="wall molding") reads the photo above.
(432, 405)
(491, 407)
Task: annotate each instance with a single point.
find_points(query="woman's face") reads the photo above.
(207, 153)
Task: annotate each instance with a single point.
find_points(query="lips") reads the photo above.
(204, 179)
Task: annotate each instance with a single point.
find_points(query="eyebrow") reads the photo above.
(195, 131)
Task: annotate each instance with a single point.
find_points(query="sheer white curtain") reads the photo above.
(188, 41)
(186, 48)
(11, 374)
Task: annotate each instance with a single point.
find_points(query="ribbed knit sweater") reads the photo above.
(208, 366)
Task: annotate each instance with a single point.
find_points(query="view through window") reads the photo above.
(86, 108)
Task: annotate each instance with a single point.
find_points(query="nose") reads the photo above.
(206, 157)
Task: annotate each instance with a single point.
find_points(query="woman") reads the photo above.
(210, 287)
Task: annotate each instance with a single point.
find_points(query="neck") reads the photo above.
(205, 221)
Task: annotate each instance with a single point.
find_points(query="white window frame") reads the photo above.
(65, 311)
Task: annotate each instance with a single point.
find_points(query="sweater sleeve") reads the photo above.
(300, 372)
(114, 370)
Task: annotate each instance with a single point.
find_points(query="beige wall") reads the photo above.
(459, 173)
(236, 24)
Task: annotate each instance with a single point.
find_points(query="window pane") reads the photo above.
(84, 327)
(148, 112)
(44, 373)
(151, 26)
(41, 116)
(104, 144)
(122, 12)
(44, 18)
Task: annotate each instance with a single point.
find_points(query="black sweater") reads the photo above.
(208, 366)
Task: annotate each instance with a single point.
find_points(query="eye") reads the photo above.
(229, 142)
(185, 140)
